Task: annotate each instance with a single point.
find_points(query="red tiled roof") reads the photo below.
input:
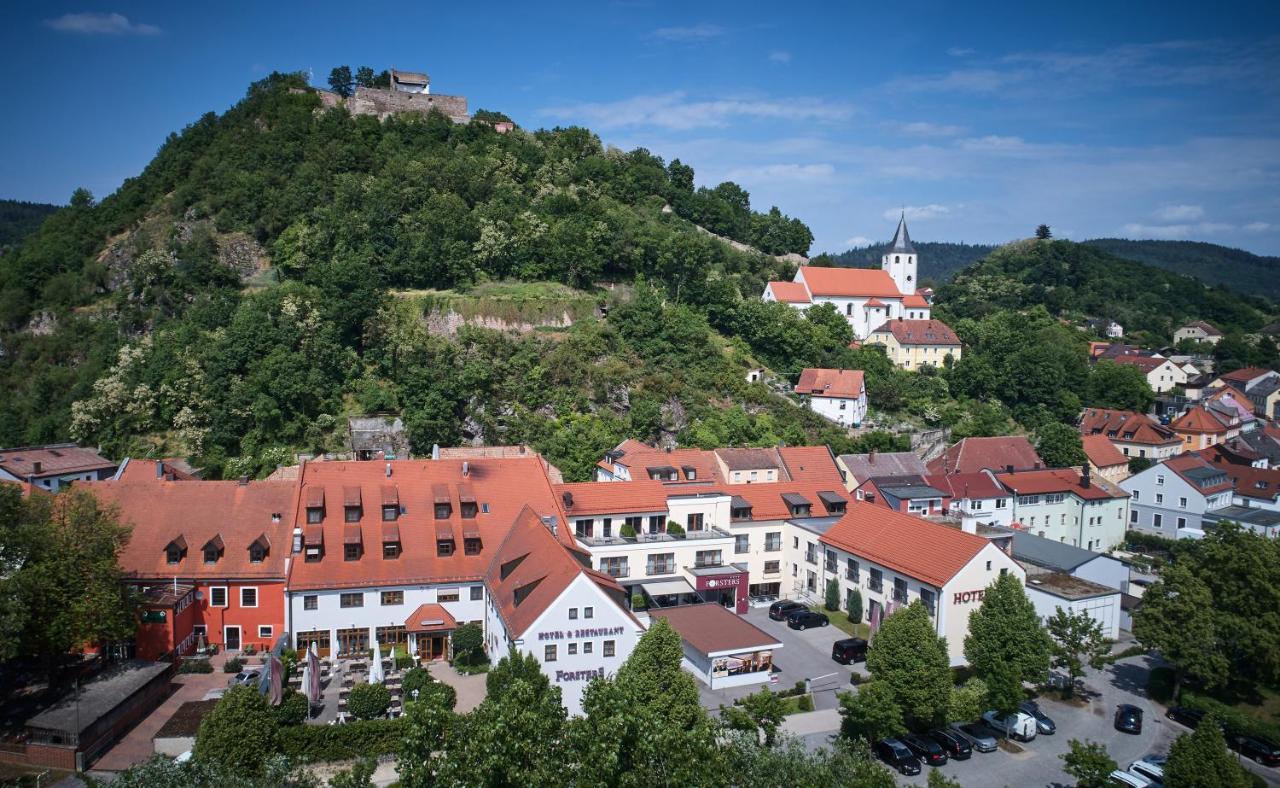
(1232, 452)
(1244, 375)
(875, 302)
(592, 498)
(790, 292)
(811, 464)
(430, 617)
(1102, 452)
(503, 488)
(55, 459)
(919, 332)
(197, 512)
(1191, 461)
(915, 301)
(639, 456)
(710, 629)
(132, 470)
(967, 485)
(1101, 421)
(911, 546)
(1198, 420)
(971, 455)
(849, 282)
(831, 382)
(1144, 363)
(1257, 483)
(1056, 480)
(767, 502)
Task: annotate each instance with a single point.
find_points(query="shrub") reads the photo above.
(1234, 719)
(832, 602)
(855, 606)
(404, 661)
(805, 703)
(637, 601)
(468, 644)
(249, 651)
(472, 670)
(366, 738)
(293, 708)
(855, 678)
(195, 666)
(627, 532)
(240, 732)
(674, 528)
(368, 701)
(232, 665)
(415, 679)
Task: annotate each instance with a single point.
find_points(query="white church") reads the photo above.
(867, 297)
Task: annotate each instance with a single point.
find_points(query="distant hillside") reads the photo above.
(1211, 263)
(938, 261)
(1072, 280)
(19, 219)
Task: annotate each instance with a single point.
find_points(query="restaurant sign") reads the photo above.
(724, 582)
(565, 634)
(579, 675)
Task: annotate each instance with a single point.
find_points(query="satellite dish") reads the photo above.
(199, 596)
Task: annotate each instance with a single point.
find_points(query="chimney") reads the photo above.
(1087, 481)
(388, 470)
(159, 470)
(435, 451)
(244, 480)
(871, 458)
(968, 525)
(36, 466)
(1008, 469)
(466, 468)
(297, 540)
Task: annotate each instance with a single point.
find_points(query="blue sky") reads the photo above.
(1142, 120)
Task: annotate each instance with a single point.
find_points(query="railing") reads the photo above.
(660, 569)
(773, 547)
(876, 585)
(707, 563)
(811, 559)
(704, 533)
(852, 574)
(616, 571)
(831, 567)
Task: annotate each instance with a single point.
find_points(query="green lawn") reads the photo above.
(840, 620)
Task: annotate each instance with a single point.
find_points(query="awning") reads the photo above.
(465, 493)
(666, 587)
(444, 531)
(470, 529)
(350, 496)
(430, 617)
(440, 493)
(390, 495)
(315, 497)
(828, 496)
(390, 532)
(351, 533)
(262, 540)
(313, 536)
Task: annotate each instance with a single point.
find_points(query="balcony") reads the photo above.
(616, 571)
(831, 567)
(653, 570)
(613, 541)
(876, 585)
(707, 563)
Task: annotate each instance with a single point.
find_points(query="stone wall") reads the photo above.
(381, 103)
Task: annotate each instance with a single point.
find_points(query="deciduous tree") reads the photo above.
(1178, 618)
(1201, 760)
(1007, 644)
(1088, 762)
(1078, 640)
(911, 660)
(340, 81)
(871, 713)
(1059, 445)
(240, 733)
(760, 712)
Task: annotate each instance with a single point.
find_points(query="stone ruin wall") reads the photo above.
(381, 103)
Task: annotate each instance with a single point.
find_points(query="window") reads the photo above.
(657, 524)
(988, 566)
(265, 632)
(773, 542)
(1137, 495)
(707, 558)
(218, 596)
(588, 612)
(1028, 500)
(471, 546)
(609, 648)
(1182, 522)
(451, 595)
(443, 510)
(851, 570)
(391, 550)
(1182, 503)
(1159, 481)
(661, 564)
(351, 600)
(694, 521)
(614, 567)
(635, 523)
(586, 647)
(1159, 497)
(477, 593)
(1055, 498)
(390, 513)
(1133, 516)
(468, 510)
(795, 542)
(310, 602)
(831, 561)
(248, 597)
(351, 514)
(573, 649)
(315, 514)
(549, 653)
(811, 553)
(211, 555)
(741, 544)
(392, 598)
(444, 547)
(172, 554)
(900, 589)
(1002, 503)
(583, 528)
(573, 614)
(1156, 521)
(257, 553)
(930, 601)
(351, 552)
(877, 580)
(795, 570)
(313, 555)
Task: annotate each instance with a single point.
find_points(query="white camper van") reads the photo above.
(1018, 725)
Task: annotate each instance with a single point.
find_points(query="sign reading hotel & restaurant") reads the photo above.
(565, 634)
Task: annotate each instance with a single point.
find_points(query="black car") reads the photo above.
(1189, 717)
(803, 619)
(779, 610)
(1128, 718)
(1260, 750)
(956, 746)
(925, 749)
(1044, 724)
(849, 650)
(897, 755)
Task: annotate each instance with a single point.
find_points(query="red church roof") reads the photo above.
(850, 282)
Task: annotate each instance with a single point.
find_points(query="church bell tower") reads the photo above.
(900, 259)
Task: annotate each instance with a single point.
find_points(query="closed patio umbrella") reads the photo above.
(375, 667)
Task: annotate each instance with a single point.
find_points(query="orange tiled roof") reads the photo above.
(971, 455)
(1101, 451)
(638, 457)
(818, 382)
(430, 617)
(593, 498)
(967, 485)
(1192, 461)
(1055, 480)
(850, 282)
(1128, 426)
(1145, 363)
(1243, 375)
(790, 292)
(916, 301)
(908, 545)
(811, 464)
(920, 332)
(767, 502)
(1198, 420)
(1258, 483)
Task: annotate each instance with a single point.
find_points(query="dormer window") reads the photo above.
(258, 549)
(467, 505)
(471, 546)
(352, 506)
(443, 504)
(315, 505)
(213, 549)
(390, 550)
(390, 514)
(833, 502)
(444, 547)
(506, 569)
(352, 544)
(797, 504)
(174, 551)
(469, 509)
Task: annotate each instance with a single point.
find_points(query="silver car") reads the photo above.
(982, 738)
(245, 678)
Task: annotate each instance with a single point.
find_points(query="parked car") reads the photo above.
(1018, 725)
(803, 619)
(980, 737)
(1151, 767)
(897, 755)
(1189, 717)
(245, 678)
(1128, 718)
(1264, 752)
(1128, 780)
(849, 650)
(925, 749)
(779, 610)
(1044, 724)
(954, 743)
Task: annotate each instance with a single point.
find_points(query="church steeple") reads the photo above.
(902, 240)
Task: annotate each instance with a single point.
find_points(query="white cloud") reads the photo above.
(689, 33)
(970, 80)
(960, 51)
(858, 240)
(918, 212)
(993, 142)
(926, 129)
(100, 24)
(782, 172)
(780, 56)
(676, 111)
(1257, 227)
(1178, 213)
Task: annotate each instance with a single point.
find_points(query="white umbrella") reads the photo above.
(375, 667)
(306, 679)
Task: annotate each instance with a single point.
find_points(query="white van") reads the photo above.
(1127, 780)
(1149, 768)
(1018, 725)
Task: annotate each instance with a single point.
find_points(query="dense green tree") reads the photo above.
(790, 763)
(368, 701)
(760, 713)
(468, 643)
(240, 733)
(939, 780)
(1043, 233)
(1088, 762)
(832, 601)
(340, 81)
(853, 605)
(968, 701)
(364, 77)
(1241, 569)
(161, 771)
(1178, 618)
(1118, 386)
(1007, 644)
(1200, 759)
(1059, 445)
(909, 658)
(1078, 640)
(871, 713)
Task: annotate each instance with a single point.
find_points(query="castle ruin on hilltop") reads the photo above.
(409, 92)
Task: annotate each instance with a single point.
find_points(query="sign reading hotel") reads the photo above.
(566, 634)
(962, 597)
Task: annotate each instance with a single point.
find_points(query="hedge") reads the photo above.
(195, 666)
(1236, 721)
(362, 739)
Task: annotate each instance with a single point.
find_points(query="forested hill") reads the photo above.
(938, 260)
(1218, 265)
(1074, 280)
(266, 277)
(18, 219)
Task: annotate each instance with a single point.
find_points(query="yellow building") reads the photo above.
(911, 344)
